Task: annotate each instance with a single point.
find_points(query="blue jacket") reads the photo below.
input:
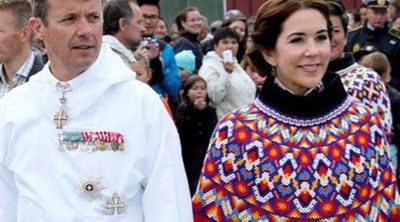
(171, 83)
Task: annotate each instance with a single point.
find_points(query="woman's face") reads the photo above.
(396, 23)
(227, 43)
(193, 22)
(240, 28)
(339, 38)
(302, 51)
(161, 30)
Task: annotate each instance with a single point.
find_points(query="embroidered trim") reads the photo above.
(347, 70)
(302, 122)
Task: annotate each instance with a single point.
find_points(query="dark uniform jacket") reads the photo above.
(384, 39)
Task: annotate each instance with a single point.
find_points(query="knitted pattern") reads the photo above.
(264, 166)
(367, 86)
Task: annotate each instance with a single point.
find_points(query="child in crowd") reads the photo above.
(186, 62)
(195, 121)
(248, 66)
(380, 64)
(145, 74)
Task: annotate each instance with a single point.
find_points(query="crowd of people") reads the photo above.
(292, 114)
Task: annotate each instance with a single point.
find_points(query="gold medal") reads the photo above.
(381, 2)
(102, 147)
(121, 147)
(356, 47)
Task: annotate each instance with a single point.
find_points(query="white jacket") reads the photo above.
(125, 54)
(227, 91)
(40, 183)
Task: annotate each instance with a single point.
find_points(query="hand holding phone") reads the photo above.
(227, 55)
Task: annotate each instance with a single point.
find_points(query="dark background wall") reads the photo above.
(214, 9)
(249, 7)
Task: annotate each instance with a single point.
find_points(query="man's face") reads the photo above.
(10, 36)
(72, 35)
(377, 17)
(135, 28)
(151, 16)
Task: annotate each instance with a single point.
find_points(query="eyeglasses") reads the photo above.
(151, 18)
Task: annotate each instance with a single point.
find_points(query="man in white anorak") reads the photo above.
(83, 140)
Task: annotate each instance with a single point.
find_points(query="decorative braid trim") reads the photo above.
(347, 70)
(303, 122)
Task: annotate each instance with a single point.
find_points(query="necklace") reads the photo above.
(61, 116)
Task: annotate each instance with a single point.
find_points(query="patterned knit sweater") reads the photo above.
(322, 157)
(365, 85)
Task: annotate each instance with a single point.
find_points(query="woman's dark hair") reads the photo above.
(356, 15)
(258, 62)
(223, 33)
(338, 9)
(182, 16)
(270, 18)
(229, 21)
(186, 87)
(242, 44)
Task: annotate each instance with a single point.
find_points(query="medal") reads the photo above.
(92, 141)
(91, 189)
(114, 205)
(61, 116)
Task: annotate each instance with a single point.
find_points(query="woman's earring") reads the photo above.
(273, 71)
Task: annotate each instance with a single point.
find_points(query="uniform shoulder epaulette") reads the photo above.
(356, 28)
(395, 33)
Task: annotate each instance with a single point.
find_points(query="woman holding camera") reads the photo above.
(229, 86)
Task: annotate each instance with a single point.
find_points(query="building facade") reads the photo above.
(249, 7)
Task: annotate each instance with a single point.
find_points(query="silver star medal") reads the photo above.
(114, 205)
(91, 189)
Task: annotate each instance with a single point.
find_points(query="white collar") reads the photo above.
(370, 27)
(107, 71)
(282, 86)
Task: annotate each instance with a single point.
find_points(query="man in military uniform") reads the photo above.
(376, 32)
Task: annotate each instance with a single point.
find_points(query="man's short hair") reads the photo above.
(114, 10)
(40, 8)
(155, 3)
(20, 9)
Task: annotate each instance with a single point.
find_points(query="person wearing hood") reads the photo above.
(186, 62)
(229, 87)
(83, 140)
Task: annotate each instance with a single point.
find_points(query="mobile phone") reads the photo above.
(227, 55)
(146, 44)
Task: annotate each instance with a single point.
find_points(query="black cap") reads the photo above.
(377, 3)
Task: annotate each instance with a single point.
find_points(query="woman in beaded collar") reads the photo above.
(303, 150)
